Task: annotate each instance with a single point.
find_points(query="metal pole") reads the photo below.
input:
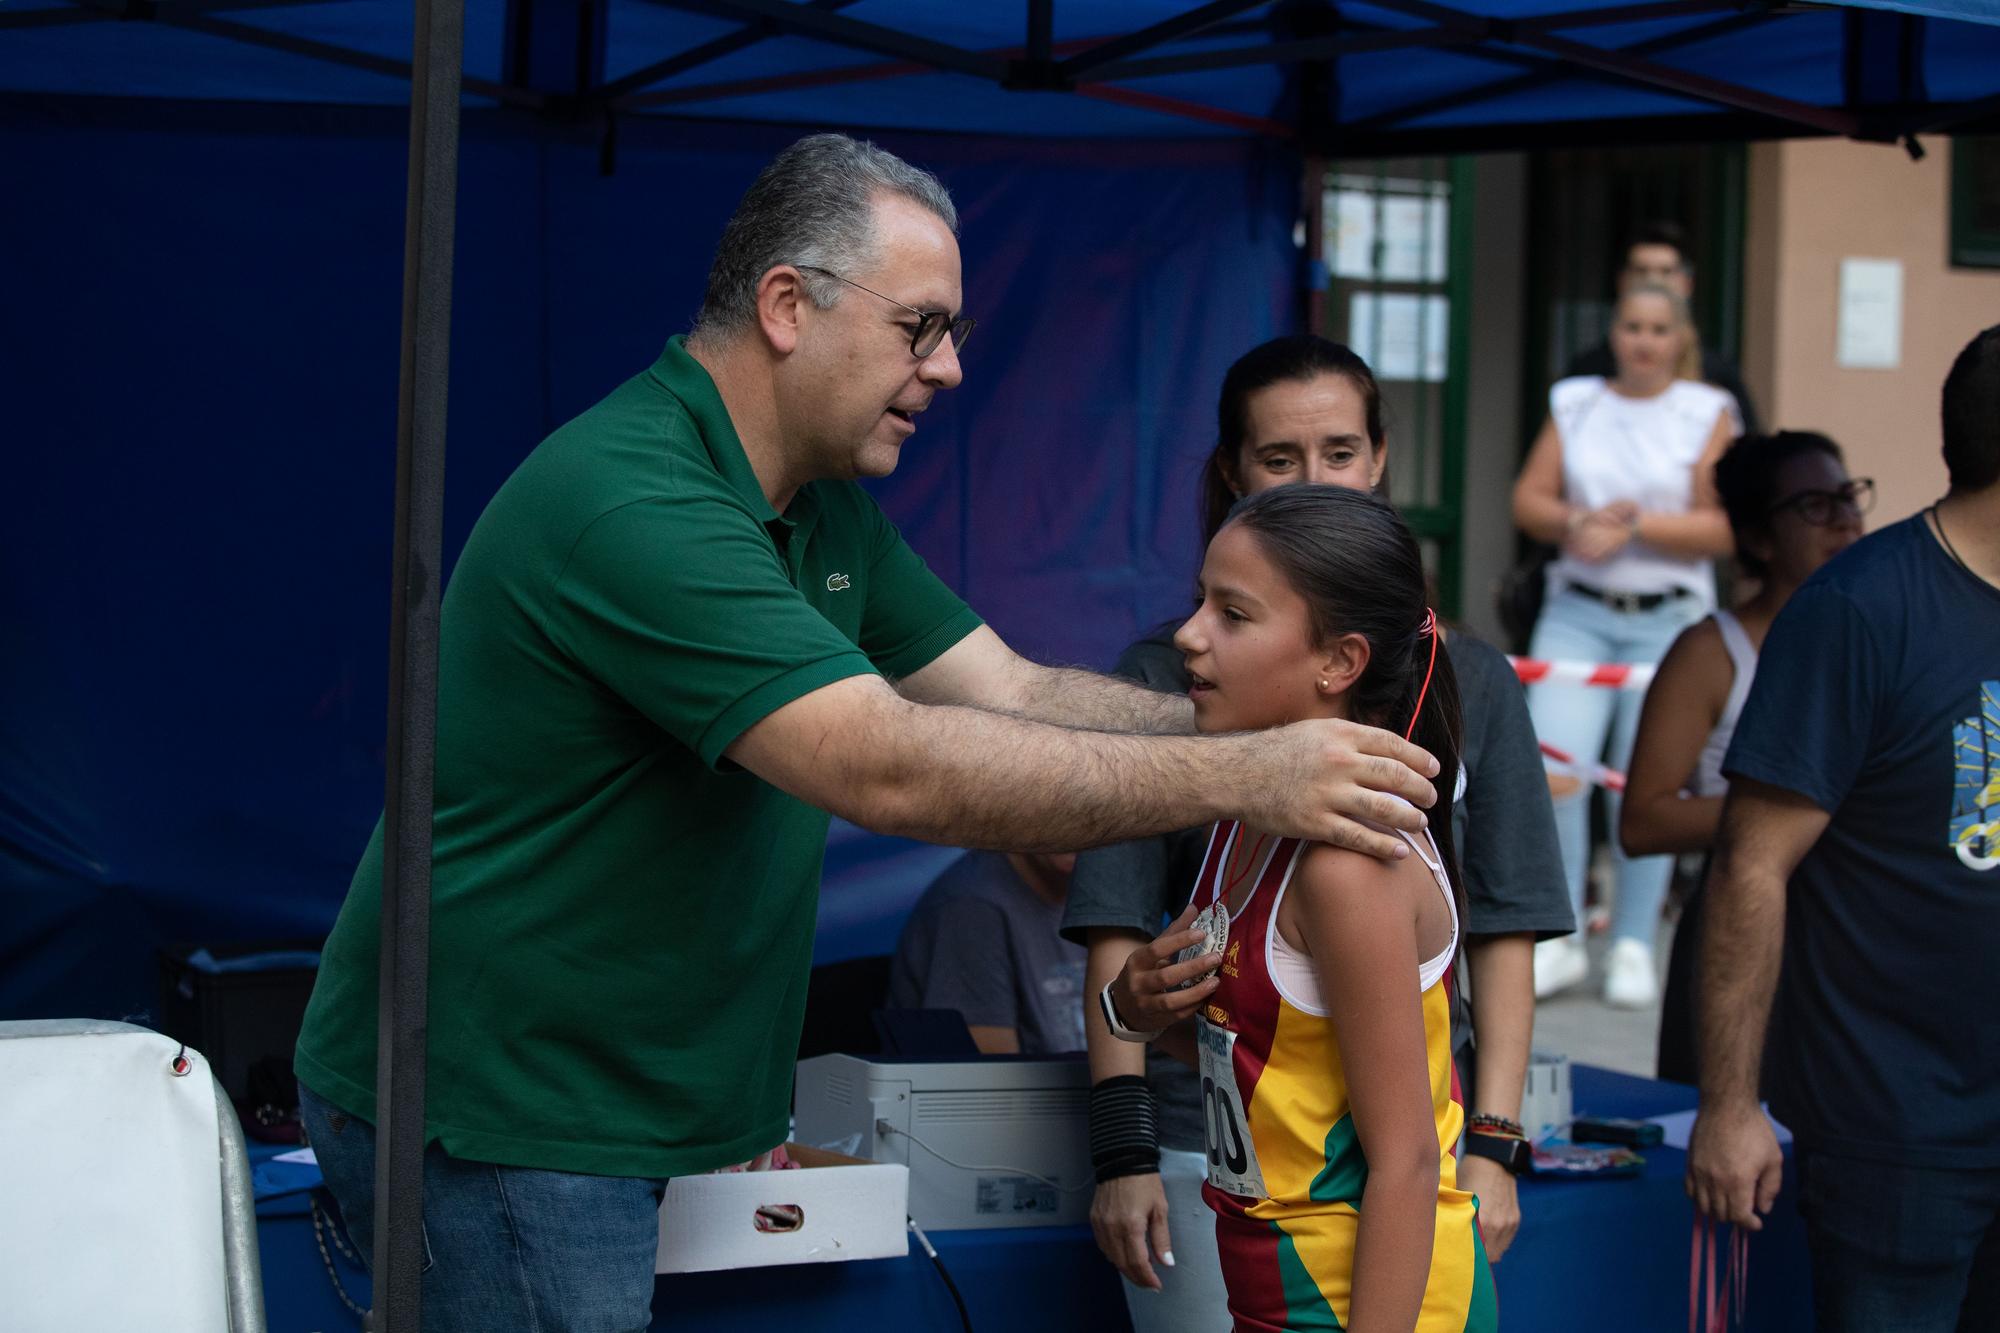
(436, 68)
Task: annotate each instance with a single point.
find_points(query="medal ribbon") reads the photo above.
(1230, 882)
(1717, 1313)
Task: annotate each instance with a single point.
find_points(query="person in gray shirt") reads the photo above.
(1306, 409)
(984, 940)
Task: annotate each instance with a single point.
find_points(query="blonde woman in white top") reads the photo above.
(1621, 478)
(1792, 507)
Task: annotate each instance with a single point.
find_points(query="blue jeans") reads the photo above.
(1581, 719)
(506, 1247)
(1899, 1249)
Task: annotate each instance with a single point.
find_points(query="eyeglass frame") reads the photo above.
(1857, 494)
(959, 329)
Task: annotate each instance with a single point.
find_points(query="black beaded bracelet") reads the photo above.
(1124, 1128)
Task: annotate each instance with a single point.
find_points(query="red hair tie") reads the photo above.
(1430, 627)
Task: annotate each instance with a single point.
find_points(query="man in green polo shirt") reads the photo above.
(679, 636)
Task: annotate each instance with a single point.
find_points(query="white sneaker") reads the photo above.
(1628, 976)
(1559, 964)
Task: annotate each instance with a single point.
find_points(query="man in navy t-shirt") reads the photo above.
(1861, 848)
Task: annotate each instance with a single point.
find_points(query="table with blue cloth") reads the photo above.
(1591, 1254)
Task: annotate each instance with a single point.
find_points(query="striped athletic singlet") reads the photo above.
(1286, 1169)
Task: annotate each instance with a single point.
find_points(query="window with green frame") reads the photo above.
(1396, 244)
(1975, 201)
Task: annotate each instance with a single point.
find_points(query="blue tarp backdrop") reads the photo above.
(201, 356)
(204, 241)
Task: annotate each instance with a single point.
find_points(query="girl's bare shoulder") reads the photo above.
(1343, 879)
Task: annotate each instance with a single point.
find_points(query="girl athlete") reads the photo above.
(1325, 1035)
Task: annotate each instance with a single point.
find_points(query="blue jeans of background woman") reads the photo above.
(1592, 722)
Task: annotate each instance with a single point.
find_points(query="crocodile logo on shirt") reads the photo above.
(838, 583)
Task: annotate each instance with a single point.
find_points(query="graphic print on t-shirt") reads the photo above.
(1975, 791)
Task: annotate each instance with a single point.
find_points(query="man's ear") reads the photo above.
(780, 296)
(1342, 663)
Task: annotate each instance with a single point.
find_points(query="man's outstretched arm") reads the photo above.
(981, 671)
(971, 778)
(1734, 1162)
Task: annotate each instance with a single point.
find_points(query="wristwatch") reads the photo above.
(1116, 1021)
(1517, 1155)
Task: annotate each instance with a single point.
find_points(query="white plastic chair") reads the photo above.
(125, 1199)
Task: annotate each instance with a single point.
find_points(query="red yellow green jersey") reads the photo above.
(1286, 1169)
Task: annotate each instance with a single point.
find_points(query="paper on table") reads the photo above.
(1680, 1124)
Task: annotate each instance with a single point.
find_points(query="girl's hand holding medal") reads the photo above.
(1167, 980)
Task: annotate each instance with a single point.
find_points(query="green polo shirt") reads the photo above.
(622, 922)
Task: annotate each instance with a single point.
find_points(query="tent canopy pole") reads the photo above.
(404, 1026)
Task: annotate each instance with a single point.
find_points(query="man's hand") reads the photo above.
(1734, 1164)
(1319, 777)
(1499, 1202)
(1144, 990)
(1129, 1218)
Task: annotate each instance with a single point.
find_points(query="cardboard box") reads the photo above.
(847, 1209)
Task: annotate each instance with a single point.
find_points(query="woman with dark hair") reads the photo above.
(1301, 408)
(1332, 1110)
(1792, 508)
(1305, 409)
(1621, 478)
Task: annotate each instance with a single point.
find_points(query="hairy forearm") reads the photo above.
(1503, 1019)
(1655, 825)
(1069, 697)
(1743, 929)
(935, 778)
(1392, 1254)
(1109, 1056)
(1696, 535)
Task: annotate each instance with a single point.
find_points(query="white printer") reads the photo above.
(995, 1142)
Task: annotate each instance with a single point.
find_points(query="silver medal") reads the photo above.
(1213, 922)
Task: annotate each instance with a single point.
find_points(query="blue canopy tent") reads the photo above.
(201, 225)
(192, 177)
(1359, 77)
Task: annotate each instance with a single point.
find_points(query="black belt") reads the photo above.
(1627, 601)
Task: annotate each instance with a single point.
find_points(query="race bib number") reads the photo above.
(1232, 1158)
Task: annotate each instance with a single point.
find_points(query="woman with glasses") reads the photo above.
(1792, 508)
(1621, 479)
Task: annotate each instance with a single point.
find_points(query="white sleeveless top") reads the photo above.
(1292, 971)
(1708, 779)
(1638, 449)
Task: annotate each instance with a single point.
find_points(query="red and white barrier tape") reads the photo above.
(1595, 774)
(1608, 675)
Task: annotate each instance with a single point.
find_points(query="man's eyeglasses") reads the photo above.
(1820, 508)
(932, 325)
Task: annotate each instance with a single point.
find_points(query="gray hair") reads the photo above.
(812, 206)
